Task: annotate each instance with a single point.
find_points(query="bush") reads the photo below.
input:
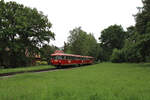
(38, 63)
(44, 63)
(147, 58)
(117, 56)
(127, 54)
(41, 63)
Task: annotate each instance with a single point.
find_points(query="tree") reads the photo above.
(22, 29)
(111, 38)
(143, 18)
(92, 45)
(46, 51)
(143, 46)
(79, 42)
(143, 29)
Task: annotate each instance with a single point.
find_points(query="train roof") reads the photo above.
(63, 54)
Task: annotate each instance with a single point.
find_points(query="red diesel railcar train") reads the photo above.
(61, 59)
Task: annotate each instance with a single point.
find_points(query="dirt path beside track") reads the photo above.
(33, 71)
(21, 72)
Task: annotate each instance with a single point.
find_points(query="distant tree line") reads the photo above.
(25, 32)
(137, 41)
(81, 43)
(115, 44)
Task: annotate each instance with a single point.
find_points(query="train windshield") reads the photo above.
(56, 57)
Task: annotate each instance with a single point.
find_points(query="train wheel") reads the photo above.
(77, 65)
(58, 66)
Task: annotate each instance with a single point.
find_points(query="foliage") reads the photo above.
(22, 31)
(134, 51)
(46, 51)
(117, 56)
(79, 42)
(129, 54)
(143, 46)
(41, 63)
(143, 29)
(136, 48)
(44, 63)
(143, 18)
(111, 38)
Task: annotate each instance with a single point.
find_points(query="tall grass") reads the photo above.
(105, 81)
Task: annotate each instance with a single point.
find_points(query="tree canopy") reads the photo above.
(22, 30)
(46, 51)
(143, 18)
(111, 38)
(79, 42)
(136, 48)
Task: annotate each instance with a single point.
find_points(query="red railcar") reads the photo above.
(61, 59)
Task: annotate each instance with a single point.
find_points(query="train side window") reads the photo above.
(75, 58)
(67, 57)
(59, 57)
(64, 57)
(53, 57)
(72, 57)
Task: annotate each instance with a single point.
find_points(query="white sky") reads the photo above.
(92, 15)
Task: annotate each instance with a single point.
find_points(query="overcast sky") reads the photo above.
(92, 15)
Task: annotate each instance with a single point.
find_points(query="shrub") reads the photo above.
(41, 63)
(117, 56)
(44, 63)
(147, 59)
(127, 54)
(38, 63)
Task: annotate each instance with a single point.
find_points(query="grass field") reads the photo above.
(105, 81)
(24, 69)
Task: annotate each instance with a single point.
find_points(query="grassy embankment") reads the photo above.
(24, 69)
(105, 81)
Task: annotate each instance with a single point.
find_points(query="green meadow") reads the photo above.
(104, 81)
